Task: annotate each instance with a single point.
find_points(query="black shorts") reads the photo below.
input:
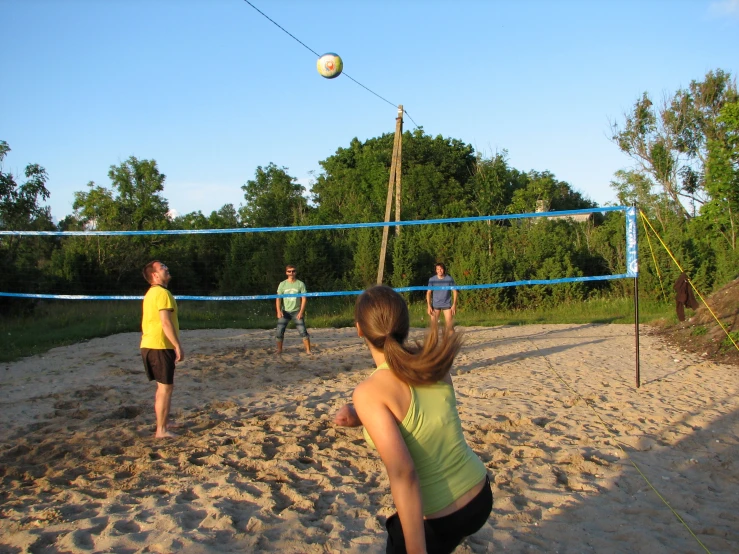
(159, 365)
(444, 534)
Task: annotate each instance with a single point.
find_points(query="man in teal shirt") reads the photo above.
(287, 308)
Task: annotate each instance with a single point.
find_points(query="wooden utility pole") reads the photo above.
(395, 170)
(398, 164)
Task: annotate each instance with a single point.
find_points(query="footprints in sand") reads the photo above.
(257, 461)
(259, 466)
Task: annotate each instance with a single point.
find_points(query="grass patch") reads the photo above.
(730, 340)
(62, 322)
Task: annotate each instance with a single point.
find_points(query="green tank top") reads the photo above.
(446, 465)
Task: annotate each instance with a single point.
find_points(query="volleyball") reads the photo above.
(330, 65)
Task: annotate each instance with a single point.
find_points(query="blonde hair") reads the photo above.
(382, 316)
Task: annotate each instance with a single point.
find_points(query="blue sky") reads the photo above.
(211, 90)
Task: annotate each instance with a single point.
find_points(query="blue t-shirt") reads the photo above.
(441, 299)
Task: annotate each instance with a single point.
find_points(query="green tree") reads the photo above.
(201, 257)
(494, 183)
(669, 142)
(436, 179)
(722, 176)
(273, 199)
(19, 204)
(23, 258)
(256, 262)
(134, 202)
(352, 187)
(543, 190)
(634, 187)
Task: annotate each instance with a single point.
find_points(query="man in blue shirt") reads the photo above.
(442, 300)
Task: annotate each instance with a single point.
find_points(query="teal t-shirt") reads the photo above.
(296, 287)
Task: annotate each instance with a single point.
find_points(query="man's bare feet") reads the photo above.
(165, 434)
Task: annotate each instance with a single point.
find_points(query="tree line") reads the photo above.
(685, 178)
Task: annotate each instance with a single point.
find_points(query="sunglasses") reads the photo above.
(290, 271)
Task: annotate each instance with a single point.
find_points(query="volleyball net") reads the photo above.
(576, 248)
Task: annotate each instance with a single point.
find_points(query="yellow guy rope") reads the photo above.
(626, 454)
(644, 218)
(654, 259)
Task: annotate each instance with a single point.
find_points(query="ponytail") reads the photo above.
(382, 315)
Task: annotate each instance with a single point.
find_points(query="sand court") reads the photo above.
(260, 467)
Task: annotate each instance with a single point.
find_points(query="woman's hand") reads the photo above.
(347, 417)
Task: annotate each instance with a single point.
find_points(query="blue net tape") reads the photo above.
(631, 254)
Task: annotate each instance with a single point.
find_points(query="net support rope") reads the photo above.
(654, 260)
(690, 282)
(617, 442)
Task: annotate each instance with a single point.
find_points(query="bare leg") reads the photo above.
(449, 320)
(162, 404)
(306, 342)
(279, 347)
(435, 315)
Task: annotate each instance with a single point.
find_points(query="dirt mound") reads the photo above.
(701, 333)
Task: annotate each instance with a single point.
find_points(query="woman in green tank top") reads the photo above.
(408, 409)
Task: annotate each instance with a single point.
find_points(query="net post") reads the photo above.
(636, 329)
(398, 165)
(632, 269)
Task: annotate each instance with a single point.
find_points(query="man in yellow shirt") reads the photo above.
(160, 341)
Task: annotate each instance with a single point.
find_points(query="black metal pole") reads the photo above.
(636, 328)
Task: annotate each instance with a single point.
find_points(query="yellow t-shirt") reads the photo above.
(158, 298)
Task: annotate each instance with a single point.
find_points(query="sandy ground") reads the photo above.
(581, 459)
